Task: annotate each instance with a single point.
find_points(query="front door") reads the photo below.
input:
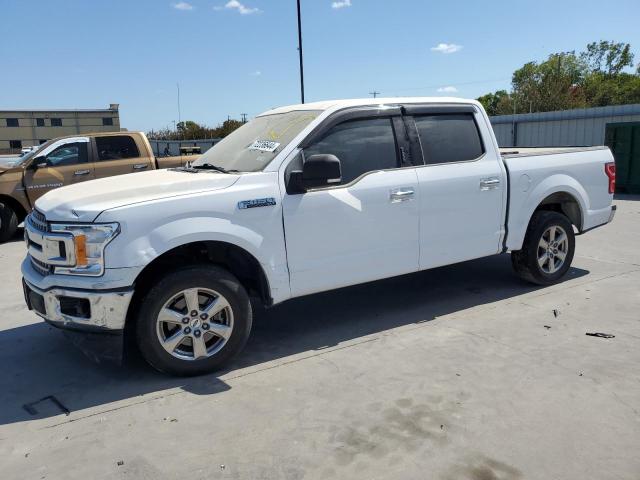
(65, 162)
(120, 154)
(364, 228)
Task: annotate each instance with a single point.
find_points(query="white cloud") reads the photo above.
(182, 6)
(446, 48)
(341, 4)
(236, 5)
(448, 89)
(257, 73)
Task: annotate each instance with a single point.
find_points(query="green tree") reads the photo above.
(601, 89)
(608, 57)
(190, 130)
(595, 77)
(494, 103)
(551, 85)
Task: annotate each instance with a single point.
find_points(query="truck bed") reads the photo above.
(534, 173)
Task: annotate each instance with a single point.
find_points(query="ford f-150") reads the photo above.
(302, 199)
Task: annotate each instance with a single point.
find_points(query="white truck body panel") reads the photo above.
(152, 228)
(344, 236)
(83, 202)
(578, 172)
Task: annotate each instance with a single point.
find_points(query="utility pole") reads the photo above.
(374, 93)
(179, 116)
(244, 117)
(300, 53)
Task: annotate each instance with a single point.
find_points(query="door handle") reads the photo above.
(490, 183)
(140, 166)
(79, 173)
(401, 194)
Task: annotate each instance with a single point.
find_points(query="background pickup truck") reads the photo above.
(302, 199)
(67, 161)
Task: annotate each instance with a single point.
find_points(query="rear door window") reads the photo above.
(116, 147)
(447, 138)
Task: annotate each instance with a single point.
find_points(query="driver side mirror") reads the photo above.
(39, 162)
(317, 171)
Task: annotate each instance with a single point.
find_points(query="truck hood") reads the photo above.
(83, 202)
(9, 163)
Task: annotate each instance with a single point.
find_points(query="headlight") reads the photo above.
(89, 242)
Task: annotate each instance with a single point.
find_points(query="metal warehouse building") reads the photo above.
(25, 128)
(616, 126)
(579, 127)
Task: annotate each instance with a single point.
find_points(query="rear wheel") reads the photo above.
(193, 321)
(547, 251)
(8, 222)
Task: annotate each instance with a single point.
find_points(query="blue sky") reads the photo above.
(240, 56)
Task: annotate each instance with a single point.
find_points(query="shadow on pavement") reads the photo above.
(39, 362)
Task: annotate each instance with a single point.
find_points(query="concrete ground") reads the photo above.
(462, 372)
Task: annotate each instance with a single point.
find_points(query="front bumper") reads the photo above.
(94, 311)
(93, 320)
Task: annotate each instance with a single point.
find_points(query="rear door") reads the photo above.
(461, 186)
(64, 162)
(120, 154)
(365, 227)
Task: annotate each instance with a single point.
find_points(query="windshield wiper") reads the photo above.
(210, 166)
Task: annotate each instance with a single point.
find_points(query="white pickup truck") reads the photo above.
(302, 199)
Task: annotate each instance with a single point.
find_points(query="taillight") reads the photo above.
(610, 170)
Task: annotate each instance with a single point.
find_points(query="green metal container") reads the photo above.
(624, 141)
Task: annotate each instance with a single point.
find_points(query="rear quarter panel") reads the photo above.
(534, 177)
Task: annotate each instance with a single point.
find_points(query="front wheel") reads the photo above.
(193, 321)
(547, 250)
(8, 222)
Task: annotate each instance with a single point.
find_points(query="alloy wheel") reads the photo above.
(552, 249)
(195, 324)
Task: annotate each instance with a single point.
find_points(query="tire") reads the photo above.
(533, 263)
(214, 286)
(8, 222)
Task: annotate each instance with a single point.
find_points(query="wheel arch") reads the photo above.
(560, 193)
(565, 203)
(237, 260)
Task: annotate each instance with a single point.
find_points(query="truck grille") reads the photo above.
(41, 267)
(38, 221)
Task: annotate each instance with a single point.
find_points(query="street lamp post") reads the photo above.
(300, 54)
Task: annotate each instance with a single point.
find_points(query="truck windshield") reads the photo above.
(28, 156)
(251, 147)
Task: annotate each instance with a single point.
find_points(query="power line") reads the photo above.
(477, 82)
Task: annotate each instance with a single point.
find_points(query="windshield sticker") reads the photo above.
(264, 146)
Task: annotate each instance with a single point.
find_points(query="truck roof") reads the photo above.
(358, 102)
(100, 134)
